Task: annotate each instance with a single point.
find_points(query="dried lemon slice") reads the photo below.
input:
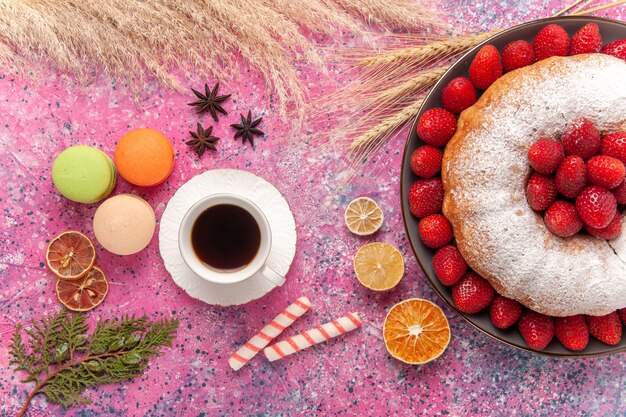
(416, 331)
(85, 293)
(70, 255)
(363, 216)
(378, 266)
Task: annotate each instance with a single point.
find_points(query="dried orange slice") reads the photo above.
(85, 293)
(363, 216)
(416, 331)
(70, 255)
(378, 266)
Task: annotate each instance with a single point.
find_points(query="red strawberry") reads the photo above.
(458, 95)
(504, 312)
(486, 67)
(537, 329)
(596, 206)
(436, 126)
(426, 161)
(620, 193)
(586, 41)
(613, 230)
(605, 171)
(571, 177)
(614, 145)
(426, 197)
(552, 40)
(540, 191)
(617, 49)
(572, 332)
(607, 329)
(449, 265)
(562, 220)
(546, 155)
(582, 139)
(472, 293)
(517, 54)
(622, 315)
(435, 231)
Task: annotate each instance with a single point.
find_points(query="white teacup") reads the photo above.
(258, 264)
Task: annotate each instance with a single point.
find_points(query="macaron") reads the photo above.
(144, 157)
(83, 174)
(124, 224)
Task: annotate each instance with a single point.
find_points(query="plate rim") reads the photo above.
(404, 187)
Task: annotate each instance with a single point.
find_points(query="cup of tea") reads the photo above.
(226, 238)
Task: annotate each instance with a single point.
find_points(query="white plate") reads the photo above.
(257, 190)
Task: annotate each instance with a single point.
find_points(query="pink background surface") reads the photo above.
(353, 375)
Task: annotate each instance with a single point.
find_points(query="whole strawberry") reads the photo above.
(426, 161)
(587, 40)
(562, 219)
(572, 332)
(612, 231)
(620, 193)
(486, 67)
(614, 145)
(472, 293)
(436, 126)
(552, 40)
(426, 197)
(617, 49)
(607, 329)
(449, 265)
(435, 231)
(540, 191)
(605, 171)
(582, 139)
(596, 206)
(537, 329)
(571, 177)
(458, 95)
(517, 54)
(504, 312)
(546, 155)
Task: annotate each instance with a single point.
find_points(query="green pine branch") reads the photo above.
(63, 359)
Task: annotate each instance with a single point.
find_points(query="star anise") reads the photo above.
(209, 101)
(202, 140)
(247, 128)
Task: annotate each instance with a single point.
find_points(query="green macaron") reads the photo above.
(83, 174)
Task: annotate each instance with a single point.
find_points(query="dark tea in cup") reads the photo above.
(226, 236)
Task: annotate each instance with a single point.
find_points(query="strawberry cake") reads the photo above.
(521, 187)
(485, 170)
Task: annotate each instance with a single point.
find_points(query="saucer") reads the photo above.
(261, 193)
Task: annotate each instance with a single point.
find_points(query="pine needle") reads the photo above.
(63, 359)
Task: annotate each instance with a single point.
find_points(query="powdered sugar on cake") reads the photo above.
(485, 170)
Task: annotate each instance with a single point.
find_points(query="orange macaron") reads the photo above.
(144, 157)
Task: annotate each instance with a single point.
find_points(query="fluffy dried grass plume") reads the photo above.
(134, 39)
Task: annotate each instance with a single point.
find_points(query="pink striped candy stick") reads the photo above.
(312, 337)
(269, 332)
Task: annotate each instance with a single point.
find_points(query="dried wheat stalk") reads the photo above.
(386, 126)
(416, 55)
(398, 78)
(579, 12)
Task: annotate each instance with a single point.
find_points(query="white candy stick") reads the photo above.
(269, 332)
(312, 337)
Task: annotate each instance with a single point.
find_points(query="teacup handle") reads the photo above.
(272, 276)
